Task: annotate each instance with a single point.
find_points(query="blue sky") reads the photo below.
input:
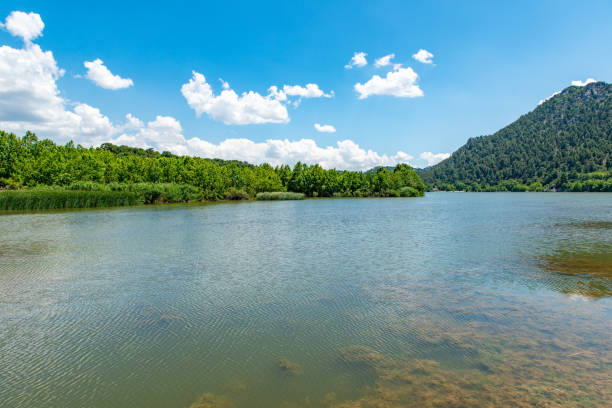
(492, 62)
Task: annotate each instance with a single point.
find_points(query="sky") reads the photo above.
(349, 85)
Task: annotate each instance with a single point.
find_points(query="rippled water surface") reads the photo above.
(448, 300)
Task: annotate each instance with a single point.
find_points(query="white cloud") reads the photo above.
(423, 56)
(224, 84)
(310, 91)
(248, 108)
(433, 158)
(99, 74)
(384, 61)
(30, 100)
(25, 25)
(345, 155)
(358, 60)
(581, 83)
(277, 94)
(324, 128)
(231, 109)
(400, 83)
(163, 133)
(131, 123)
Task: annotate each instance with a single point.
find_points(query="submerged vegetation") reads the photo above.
(578, 273)
(288, 367)
(505, 371)
(210, 400)
(29, 163)
(580, 266)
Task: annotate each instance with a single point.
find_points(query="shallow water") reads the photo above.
(454, 299)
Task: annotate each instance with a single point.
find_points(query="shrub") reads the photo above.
(236, 194)
(279, 195)
(409, 192)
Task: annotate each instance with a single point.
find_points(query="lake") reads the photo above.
(454, 299)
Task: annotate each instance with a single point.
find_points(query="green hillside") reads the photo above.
(563, 144)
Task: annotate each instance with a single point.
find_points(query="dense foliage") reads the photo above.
(563, 144)
(26, 162)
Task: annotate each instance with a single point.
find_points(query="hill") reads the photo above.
(565, 143)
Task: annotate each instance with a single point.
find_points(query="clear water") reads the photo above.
(450, 299)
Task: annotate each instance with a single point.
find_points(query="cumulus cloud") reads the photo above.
(581, 83)
(99, 74)
(423, 56)
(163, 133)
(358, 60)
(25, 25)
(230, 108)
(324, 128)
(433, 158)
(248, 108)
(384, 61)
(309, 91)
(346, 154)
(30, 100)
(400, 83)
(131, 123)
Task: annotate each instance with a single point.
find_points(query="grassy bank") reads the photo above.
(91, 195)
(147, 193)
(279, 195)
(57, 199)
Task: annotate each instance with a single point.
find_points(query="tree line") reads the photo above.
(27, 162)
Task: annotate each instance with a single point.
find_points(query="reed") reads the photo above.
(279, 195)
(57, 199)
(148, 193)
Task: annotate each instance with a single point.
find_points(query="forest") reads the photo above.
(28, 164)
(564, 144)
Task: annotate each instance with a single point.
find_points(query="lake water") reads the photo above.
(478, 299)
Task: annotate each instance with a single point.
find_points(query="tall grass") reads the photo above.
(148, 193)
(279, 195)
(55, 199)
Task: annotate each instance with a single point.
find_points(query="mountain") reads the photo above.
(565, 143)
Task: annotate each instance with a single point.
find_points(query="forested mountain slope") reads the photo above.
(564, 144)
